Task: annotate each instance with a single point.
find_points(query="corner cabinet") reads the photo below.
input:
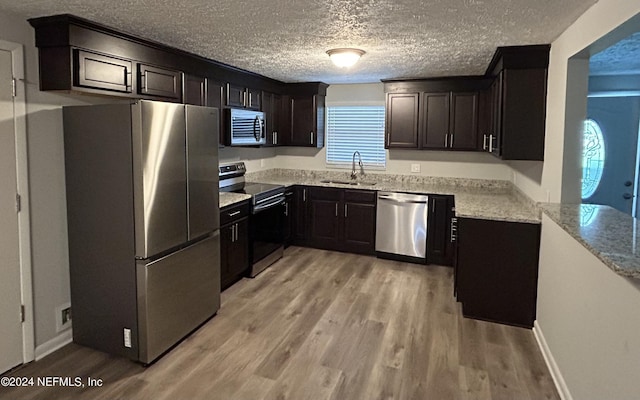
(304, 115)
(496, 270)
(515, 126)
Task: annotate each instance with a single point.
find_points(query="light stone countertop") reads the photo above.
(227, 199)
(474, 198)
(604, 231)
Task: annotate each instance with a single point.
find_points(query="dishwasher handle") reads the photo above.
(422, 200)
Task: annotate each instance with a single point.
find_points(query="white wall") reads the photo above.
(559, 178)
(588, 317)
(432, 163)
(50, 259)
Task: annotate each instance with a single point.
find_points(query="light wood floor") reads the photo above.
(322, 325)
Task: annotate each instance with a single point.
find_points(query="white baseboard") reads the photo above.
(54, 344)
(558, 379)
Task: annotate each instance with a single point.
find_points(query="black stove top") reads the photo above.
(255, 189)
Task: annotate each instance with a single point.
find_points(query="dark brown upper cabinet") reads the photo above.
(195, 90)
(515, 126)
(98, 71)
(272, 109)
(159, 82)
(240, 96)
(304, 115)
(402, 121)
(434, 114)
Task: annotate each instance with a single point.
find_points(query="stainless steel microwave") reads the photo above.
(245, 127)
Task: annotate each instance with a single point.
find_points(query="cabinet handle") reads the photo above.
(237, 229)
(451, 140)
(233, 233)
(304, 195)
(446, 137)
(244, 99)
(233, 214)
(311, 135)
(336, 209)
(345, 211)
(249, 102)
(484, 141)
(491, 143)
(286, 209)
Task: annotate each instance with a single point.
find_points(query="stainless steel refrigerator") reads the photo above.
(143, 224)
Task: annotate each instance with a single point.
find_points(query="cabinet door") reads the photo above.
(227, 235)
(98, 71)
(159, 82)
(325, 218)
(271, 108)
(239, 254)
(195, 90)
(300, 215)
(401, 121)
(235, 96)
(495, 137)
(254, 99)
(464, 121)
(439, 243)
(303, 117)
(497, 270)
(215, 98)
(359, 227)
(289, 218)
(435, 120)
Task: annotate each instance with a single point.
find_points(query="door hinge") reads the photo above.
(22, 313)
(18, 203)
(13, 87)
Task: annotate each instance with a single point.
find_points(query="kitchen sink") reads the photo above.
(351, 183)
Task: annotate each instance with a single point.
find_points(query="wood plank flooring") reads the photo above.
(322, 325)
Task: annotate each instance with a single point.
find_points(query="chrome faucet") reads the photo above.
(354, 174)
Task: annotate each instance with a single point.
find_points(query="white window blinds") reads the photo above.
(356, 128)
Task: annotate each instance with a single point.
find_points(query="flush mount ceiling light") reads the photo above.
(345, 58)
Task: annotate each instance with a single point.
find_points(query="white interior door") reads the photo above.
(10, 292)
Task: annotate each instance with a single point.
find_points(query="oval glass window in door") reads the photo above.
(593, 157)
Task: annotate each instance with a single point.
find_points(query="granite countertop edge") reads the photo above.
(550, 209)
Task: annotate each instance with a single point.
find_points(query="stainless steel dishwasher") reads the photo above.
(401, 226)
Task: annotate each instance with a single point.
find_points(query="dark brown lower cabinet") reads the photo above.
(342, 219)
(496, 271)
(234, 244)
(300, 211)
(440, 247)
(289, 216)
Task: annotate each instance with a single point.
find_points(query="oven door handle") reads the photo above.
(277, 200)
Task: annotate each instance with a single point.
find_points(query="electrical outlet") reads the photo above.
(127, 337)
(415, 168)
(63, 317)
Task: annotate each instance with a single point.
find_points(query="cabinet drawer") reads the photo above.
(360, 196)
(102, 72)
(317, 193)
(234, 212)
(159, 82)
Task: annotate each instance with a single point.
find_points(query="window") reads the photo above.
(356, 128)
(592, 157)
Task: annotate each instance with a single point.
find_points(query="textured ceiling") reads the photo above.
(623, 58)
(287, 39)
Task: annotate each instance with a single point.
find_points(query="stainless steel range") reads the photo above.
(266, 234)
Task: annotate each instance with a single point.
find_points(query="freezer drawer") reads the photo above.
(176, 294)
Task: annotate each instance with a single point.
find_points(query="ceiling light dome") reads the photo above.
(345, 58)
